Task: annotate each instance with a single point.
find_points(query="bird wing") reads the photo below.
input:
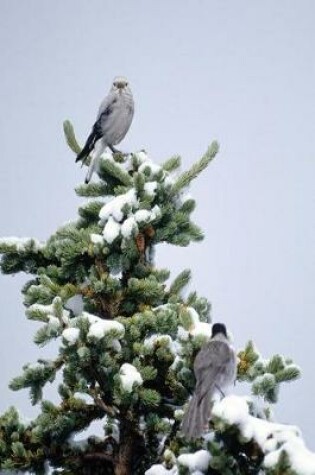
(106, 106)
(210, 361)
(105, 110)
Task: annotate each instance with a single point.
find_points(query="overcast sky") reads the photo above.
(241, 72)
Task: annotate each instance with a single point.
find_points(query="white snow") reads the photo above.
(186, 197)
(100, 327)
(202, 328)
(197, 461)
(40, 308)
(150, 188)
(302, 459)
(54, 323)
(232, 409)
(197, 327)
(141, 156)
(155, 212)
(272, 438)
(90, 317)
(65, 315)
(178, 414)
(151, 166)
(48, 314)
(182, 334)
(84, 396)
(111, 230)
(96, 238)
(159, 469)
(156, 338)
(128, 376)
(114, 207)
(142, 216)
(71, 335)
(169, 180)
(129, 227)
(145, 216)
(108, 156)
(21, 244)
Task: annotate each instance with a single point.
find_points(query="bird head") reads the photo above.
(120, 84)
(218, 328)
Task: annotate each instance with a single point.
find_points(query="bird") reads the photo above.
(215, 370)
(112, 123)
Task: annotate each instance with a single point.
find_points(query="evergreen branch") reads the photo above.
(108, 167)
(172, 163)
(23, 255)
(93, 190)
(112, 411)
(196, 169)
(70, 137)
(90, 210)
(35, 377)
(180, 282)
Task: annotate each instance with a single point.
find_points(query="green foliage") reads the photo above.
(172, 163)
(109, 170)
(35, 377)
(283, 466)
(70, 137)
(180, 282)
(93, 190)
(106, 304)
(265, 375)
(185, 179)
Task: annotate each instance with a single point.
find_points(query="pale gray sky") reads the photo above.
(242, 72)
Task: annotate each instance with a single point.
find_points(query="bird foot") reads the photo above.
(120, 157)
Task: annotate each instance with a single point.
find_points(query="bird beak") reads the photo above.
(120, 85)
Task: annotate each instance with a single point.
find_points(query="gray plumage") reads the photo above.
(112, 123)
(215, 370)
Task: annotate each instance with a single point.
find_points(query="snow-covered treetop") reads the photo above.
(127, 339)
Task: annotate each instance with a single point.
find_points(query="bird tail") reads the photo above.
(88, 147)
(90, 170)
(196, 417)
(95, 160)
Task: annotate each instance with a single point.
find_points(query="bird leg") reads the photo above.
(114, 149)
(118, 155)
(219, 389)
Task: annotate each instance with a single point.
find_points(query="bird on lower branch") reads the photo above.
(215, 370)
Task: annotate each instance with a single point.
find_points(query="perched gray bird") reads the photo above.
(215, 370)
(112, 123)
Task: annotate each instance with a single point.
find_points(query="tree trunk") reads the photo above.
(128, 437)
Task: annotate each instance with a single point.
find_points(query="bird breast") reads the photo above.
(117, 124)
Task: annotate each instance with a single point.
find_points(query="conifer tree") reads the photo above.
(127, 339)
